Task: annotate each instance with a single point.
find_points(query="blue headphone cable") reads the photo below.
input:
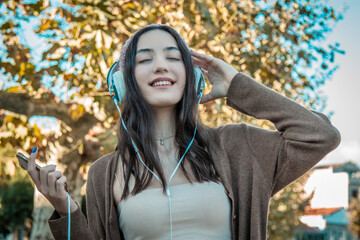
(177, 166)
(68, 198)
(110, 80)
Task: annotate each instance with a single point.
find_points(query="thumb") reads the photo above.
(33, 172)
(32, 157)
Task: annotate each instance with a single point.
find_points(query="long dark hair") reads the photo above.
(138, 117)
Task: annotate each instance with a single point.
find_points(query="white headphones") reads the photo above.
(116, 83)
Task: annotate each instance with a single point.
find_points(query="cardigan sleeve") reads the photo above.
(302, 139)
(78, 229)
(79, 226)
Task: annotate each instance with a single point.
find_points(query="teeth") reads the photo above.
(162, 83)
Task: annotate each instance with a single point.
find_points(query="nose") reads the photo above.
(160, 65)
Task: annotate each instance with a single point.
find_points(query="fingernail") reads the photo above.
(34, 150)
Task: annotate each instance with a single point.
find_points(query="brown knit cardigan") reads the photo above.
(253, 163)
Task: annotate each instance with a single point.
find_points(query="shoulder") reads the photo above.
(232, 136)
(230, 131)
(99, 166)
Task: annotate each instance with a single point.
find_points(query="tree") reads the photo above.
(286, 208)
(273, 41)
(16, 195)
(354, 215)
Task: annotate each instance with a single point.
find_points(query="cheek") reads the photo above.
(182, 74)
(137, 73)
(140, 76)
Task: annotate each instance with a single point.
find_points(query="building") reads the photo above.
(334, 186)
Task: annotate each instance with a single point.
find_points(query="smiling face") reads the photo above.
(159, 69)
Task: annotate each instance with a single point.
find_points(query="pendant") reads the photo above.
(161, 141)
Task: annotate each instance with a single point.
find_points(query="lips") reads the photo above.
(161, 79)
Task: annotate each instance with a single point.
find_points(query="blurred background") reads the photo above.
(55, 55)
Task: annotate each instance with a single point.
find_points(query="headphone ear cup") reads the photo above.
(199, 80)
(119, 86)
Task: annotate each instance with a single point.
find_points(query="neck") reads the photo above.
(164, 128)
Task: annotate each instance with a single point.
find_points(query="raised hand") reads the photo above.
(51, 184)
(218, 72)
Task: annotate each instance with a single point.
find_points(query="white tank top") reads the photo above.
(199, 211)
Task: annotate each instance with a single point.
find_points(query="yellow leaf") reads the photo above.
(14, 89)
(22, 69)
(81, 147)
(76, 112)
(37, 130)
(130, 5)
(8, 118)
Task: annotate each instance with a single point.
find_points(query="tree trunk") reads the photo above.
(41, 213)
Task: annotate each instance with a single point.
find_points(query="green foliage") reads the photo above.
(354, 215)
(16, 195)
(286, 208)
(16, 205)
(16, 131)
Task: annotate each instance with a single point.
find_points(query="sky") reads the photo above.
(343, 91)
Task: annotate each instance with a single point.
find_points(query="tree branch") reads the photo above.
(22, 103)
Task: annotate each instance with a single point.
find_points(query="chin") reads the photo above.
(164, 103)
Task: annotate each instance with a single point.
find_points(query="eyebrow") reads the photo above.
(144, 50)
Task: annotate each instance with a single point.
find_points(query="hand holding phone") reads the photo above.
(24, 161)
(51, 183)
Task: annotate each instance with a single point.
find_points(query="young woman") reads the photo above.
(226, 176)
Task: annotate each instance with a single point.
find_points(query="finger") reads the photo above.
(200, 63)
(205, 72)
(60, 186)
(52, 178)
(31, 169)
(44, 171)
(203, 57)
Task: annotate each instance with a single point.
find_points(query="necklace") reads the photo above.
(162, 139)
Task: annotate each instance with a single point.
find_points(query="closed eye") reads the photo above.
(144, 60)
(174, 59)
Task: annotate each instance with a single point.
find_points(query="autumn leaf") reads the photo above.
(14, 89)
(76, 111)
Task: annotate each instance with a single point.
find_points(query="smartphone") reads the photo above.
(23, 161)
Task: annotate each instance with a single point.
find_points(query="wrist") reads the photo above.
(229, 79)
(73, 208)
